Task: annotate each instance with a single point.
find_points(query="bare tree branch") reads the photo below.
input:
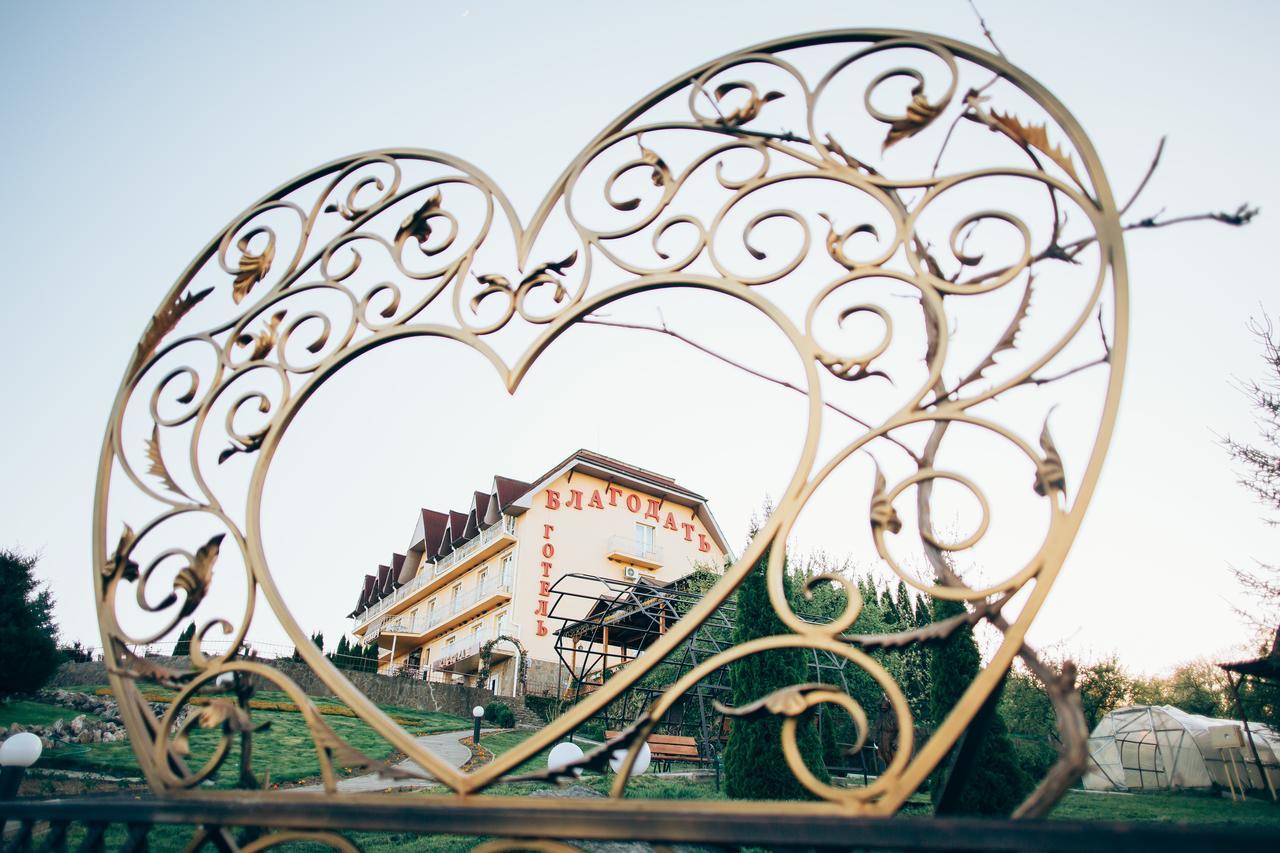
(987, 32)
(1142, 185)
(664, 330)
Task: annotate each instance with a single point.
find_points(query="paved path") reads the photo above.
(446, 745)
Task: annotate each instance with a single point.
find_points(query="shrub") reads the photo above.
(591, 730)
(546, 707)
(500, 715)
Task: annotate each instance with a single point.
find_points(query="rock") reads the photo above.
(15, 728)
(85, 737)
(46, 743)
(78, 724)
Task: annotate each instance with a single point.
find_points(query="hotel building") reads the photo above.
(469, 577)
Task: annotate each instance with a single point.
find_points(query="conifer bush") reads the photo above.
(28, 637)
(753, 761)
(182, 647)
(995, 782)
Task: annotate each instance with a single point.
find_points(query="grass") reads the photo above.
(1203, 809)
(284, 752)
(27, 713)
(1078, 805)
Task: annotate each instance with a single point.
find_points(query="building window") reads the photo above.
(500, 624)
(456, 600)
(448, 645)
(644, 539)
(481, 577)
(508, 561)
(431, 612)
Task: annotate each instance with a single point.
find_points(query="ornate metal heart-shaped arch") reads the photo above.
(675, 193)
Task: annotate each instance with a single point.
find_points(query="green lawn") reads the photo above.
(287, 752)
(284, 752)
(29, 713)
(1076, 806)
(1177, 808)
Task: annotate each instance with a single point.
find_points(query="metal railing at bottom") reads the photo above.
(251, 821)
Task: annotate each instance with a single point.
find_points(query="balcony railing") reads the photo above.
(427, 574)
(505, 527)
(627, 546)
(421, 624)
(451, 658)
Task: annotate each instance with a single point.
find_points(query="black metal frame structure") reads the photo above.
(623, 618)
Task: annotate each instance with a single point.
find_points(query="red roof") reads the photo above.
(509, 491)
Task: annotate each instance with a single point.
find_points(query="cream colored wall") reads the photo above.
(578, 539)
(488, 620)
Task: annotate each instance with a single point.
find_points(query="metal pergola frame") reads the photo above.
(623, 619)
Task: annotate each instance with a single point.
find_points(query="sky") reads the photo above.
(134, 131)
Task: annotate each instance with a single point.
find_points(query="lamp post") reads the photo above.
(477, 714)
(16, 754)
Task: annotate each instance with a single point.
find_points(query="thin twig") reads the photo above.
(714, 105)
(664, 330)
(1045, 380)
(942, 149)
(987, 32)
(1142, 185)
(1068, 252)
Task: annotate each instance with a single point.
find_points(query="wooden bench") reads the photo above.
(664, 749)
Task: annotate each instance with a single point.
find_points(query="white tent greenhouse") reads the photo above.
(1149, 747)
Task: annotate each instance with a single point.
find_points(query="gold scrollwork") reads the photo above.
(387, 245)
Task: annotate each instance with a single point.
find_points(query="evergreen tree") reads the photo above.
(995, 782)
(182, 648)
(906, 607)
(340, 657)
(371, 657)
(893, 619)
(28, 636)
(318, 639)
(754, 765)
(916, 679)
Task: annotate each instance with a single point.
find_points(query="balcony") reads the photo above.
(422, 628)
(625, 549)
(490, 541)
(468, 660)
(429, 578)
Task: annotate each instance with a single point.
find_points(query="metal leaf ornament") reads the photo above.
(194, 579)
(920, 114)
(252, 268)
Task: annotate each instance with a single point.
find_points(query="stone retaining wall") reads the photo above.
(381, 689)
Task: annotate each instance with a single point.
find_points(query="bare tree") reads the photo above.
(1261, 475)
